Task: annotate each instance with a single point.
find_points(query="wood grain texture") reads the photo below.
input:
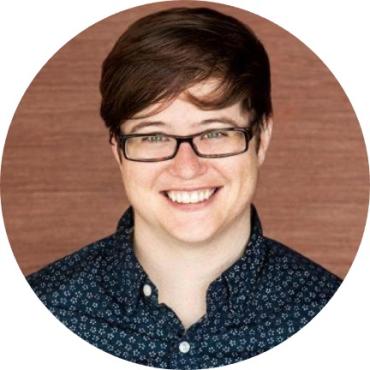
(61, 188)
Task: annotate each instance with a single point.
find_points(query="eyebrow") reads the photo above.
(144, 124)
(227, 120)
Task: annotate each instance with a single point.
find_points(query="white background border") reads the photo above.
(31, 32)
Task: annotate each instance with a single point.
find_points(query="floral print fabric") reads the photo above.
(102, 293)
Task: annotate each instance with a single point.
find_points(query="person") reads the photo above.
(188, 280)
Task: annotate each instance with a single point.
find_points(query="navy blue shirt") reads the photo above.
(103, 295)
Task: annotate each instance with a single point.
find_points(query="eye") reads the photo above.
(216, 134)
(158, 138)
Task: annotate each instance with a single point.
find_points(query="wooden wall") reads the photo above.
(61, 188)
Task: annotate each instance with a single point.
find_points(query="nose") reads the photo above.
(186, 163)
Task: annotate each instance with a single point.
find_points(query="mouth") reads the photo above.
(195, 196)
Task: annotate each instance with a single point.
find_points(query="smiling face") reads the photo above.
(191, 199)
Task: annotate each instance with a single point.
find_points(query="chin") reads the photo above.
(193, 235)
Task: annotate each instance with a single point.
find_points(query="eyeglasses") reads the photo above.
(158, 146)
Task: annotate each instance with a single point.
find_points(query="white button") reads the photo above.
(147, 289)
(184, 347)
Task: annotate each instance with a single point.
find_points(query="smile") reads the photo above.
(194, 196)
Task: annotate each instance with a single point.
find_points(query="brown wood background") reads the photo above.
(61, 188)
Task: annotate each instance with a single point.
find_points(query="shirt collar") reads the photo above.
(125, 276)
(242, 277)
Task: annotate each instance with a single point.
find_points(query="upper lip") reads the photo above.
(194, 188)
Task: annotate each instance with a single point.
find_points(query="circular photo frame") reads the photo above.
(61, 189)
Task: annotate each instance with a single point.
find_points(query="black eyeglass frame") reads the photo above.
(247, 131)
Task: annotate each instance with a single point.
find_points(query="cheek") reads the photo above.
(138, 177)
(130, 178)
(243, 175)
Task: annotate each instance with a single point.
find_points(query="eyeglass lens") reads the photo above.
(213, 143)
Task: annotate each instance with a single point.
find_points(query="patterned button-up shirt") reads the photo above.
(103, 294)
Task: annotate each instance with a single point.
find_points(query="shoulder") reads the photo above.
(297, 277)
(71, 274)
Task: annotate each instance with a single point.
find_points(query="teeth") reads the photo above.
(190, 196)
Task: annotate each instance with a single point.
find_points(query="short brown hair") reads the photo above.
(162, 54)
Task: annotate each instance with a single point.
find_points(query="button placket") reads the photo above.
(184, 347)
(147, 290)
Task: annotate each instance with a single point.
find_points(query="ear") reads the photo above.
(115, 150)
(265, 138)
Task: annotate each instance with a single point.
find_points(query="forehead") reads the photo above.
(180, 109)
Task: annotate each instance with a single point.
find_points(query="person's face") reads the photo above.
(229, 183)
